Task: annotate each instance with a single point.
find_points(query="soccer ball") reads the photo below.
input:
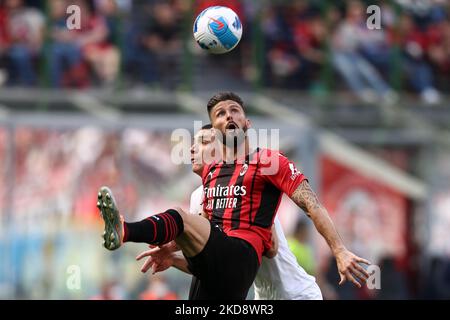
(217, 29)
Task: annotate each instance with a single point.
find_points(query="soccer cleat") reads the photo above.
(113, 233)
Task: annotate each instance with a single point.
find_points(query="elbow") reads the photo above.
(314, 213)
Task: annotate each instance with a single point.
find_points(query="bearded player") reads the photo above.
(242, 195)
(278, 278)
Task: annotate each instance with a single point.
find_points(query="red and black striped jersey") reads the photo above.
(243, 197)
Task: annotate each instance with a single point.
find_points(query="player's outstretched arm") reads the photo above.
(163, 257)
(347, 262)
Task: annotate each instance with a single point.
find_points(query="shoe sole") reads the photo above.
(112, 234)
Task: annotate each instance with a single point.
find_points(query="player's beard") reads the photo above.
(234, 141)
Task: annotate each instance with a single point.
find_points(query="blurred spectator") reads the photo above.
(418, 72)
(357, 71)
(69, 47)
(439, 47)
(104, 56)
(425, 12)
(310, 40)
(3, 43)
(329, 284)
(158, 289)
(110, 290)
(436, 280)
(21, 39)
(163, 43)
(66, 63)
(375, 45)
(103, 168)
(109, 10)
(298, 243)
(234, 5)
(393, 281)
(137, 65)
(282, 63)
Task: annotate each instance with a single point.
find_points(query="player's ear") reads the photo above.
(248, 123)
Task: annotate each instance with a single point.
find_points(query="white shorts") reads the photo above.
(311, 293)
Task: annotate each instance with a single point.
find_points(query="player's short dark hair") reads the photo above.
(223, 96)
(206, 126)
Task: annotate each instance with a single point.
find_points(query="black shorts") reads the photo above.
(194, 288)
(225, 269)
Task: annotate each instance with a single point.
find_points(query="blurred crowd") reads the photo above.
(48, 213)
(411, 46)
(63, 169)
(303, 44)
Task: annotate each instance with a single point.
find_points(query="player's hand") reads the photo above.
(349, 268)
(272, 252)
(159, 258)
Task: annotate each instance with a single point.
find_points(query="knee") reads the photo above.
(188, 220)
(183, 214)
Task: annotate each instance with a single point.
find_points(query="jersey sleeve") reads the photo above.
(283, 174)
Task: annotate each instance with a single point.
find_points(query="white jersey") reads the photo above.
(279, 278)
(196, 204)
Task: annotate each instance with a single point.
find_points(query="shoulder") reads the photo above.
(197, 192)
(272, 162)
(267, 156)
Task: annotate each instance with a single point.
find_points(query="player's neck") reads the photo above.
(236, 153)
